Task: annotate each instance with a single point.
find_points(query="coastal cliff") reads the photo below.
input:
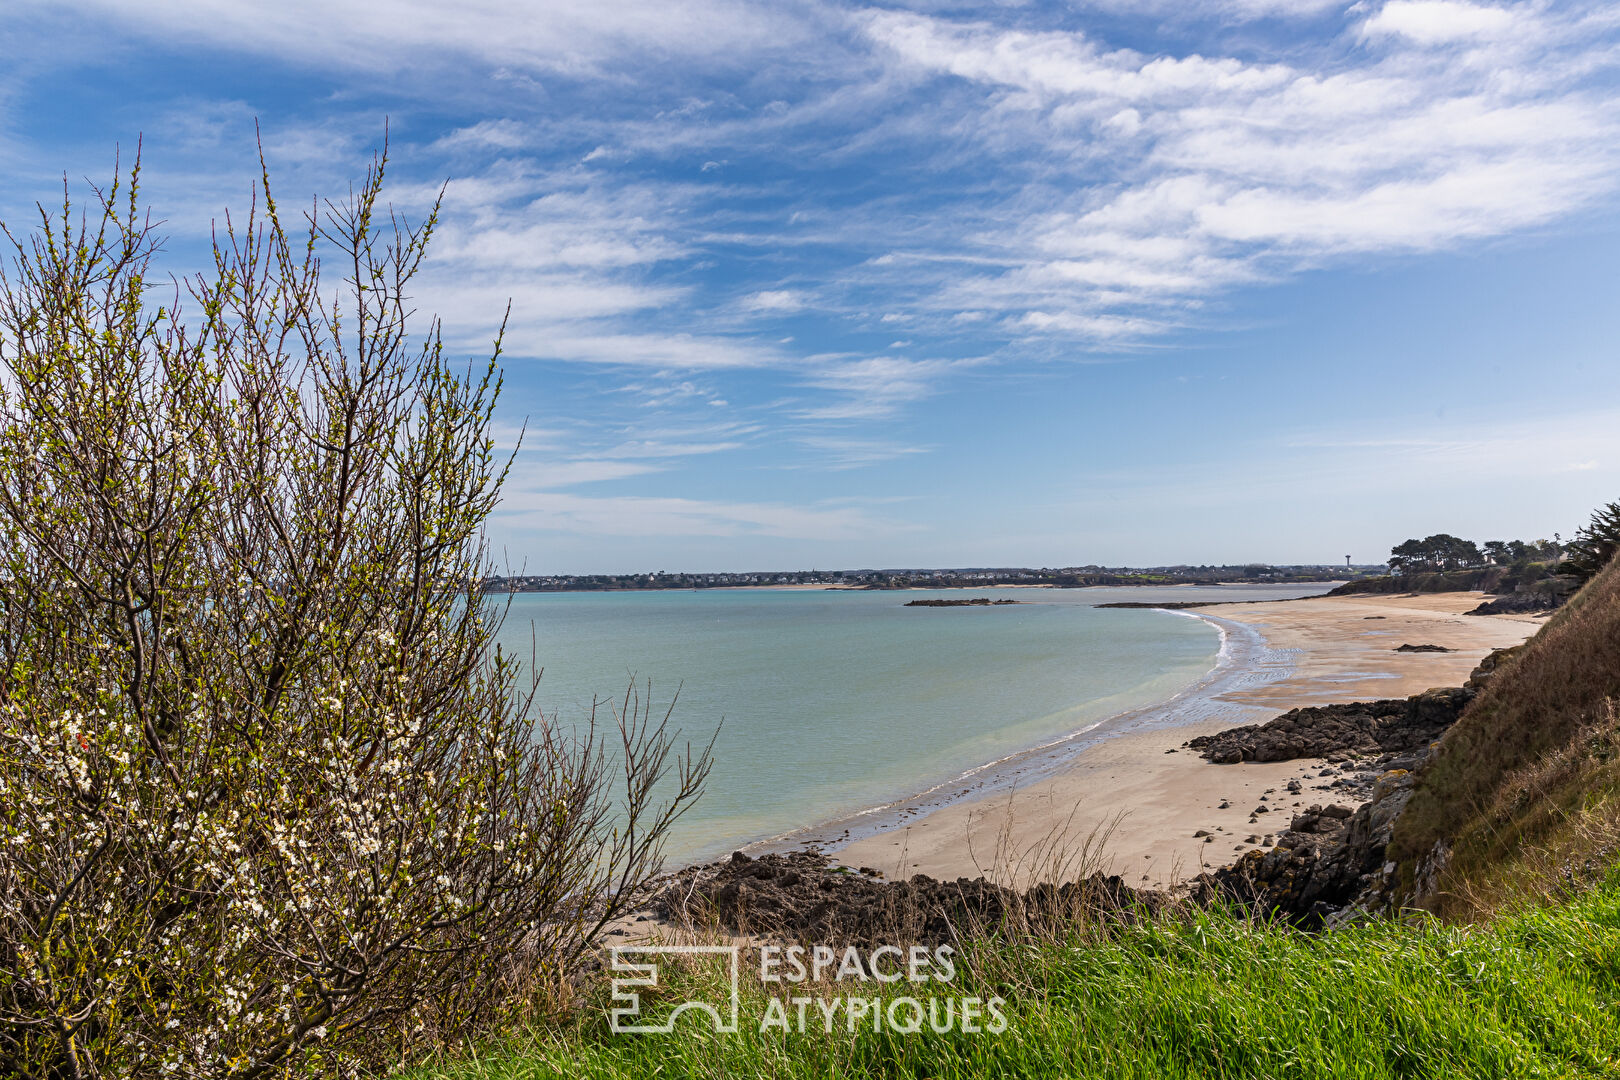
(1516, 589)
(1485, 795)
(1525, 788)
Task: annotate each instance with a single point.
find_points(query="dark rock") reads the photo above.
(1422, 648)
(1525, 603)
(1397, 725)
(801, 897)
(978, 601)
(1487, 667)
(1309, 878)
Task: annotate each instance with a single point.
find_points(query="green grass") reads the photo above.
(1535, 994)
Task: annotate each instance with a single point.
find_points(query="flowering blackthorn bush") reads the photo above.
(271, 799)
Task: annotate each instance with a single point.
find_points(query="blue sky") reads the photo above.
(813, 284)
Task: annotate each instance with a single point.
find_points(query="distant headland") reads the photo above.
(1073, 577)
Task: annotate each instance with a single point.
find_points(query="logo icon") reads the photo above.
(626, 1018)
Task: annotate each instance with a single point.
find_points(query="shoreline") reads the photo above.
(1240, 655)
(1123, 796)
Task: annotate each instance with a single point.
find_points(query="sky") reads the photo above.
(830, 285)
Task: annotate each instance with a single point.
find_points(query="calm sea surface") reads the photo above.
(833, 701)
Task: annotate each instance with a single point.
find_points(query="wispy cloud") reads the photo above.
(636, 516)
(774, 300)
(574, 37)
(838, 452)
(931, 193)
(874, 387)
(562, 474)
(1449, 121)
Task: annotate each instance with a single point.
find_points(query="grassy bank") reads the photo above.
(1524, 785)
(1533, 994)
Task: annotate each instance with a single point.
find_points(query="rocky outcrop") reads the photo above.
(1395, 725)
(1484, 578)
(1487, 668)
(802, 897)
(1168, 605)
(1329, 864)
(978, 601)
(1524, 603)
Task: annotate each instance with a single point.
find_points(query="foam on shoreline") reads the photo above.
(1243, 661)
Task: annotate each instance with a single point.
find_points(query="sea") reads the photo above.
(827, 704)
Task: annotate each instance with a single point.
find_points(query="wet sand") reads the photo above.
(1128, 798)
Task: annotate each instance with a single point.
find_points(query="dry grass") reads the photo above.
(1067, 851)
(1525, 784)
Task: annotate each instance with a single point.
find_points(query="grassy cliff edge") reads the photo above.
(1521, 792)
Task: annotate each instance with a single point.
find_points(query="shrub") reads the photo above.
(1594, 545)
(270, 798)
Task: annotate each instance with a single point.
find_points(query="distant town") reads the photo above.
(965, 577)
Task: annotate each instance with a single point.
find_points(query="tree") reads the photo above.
(1594, 545)
(269, 793)
(1408, 557)
(1442, 551)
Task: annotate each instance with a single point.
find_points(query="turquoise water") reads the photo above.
(833, 701)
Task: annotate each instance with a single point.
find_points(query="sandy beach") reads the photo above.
(1130, 804)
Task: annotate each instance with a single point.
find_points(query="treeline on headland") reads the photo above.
(1535, 575)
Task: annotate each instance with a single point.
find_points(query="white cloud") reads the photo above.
(783, 300)
(670, 517)
(1157, 181)
(1460, 455)
(677, 350)
(1235, 10)
(576, 255)
(840, 452)
(570, 36)
(556, 474)
(487, 134)
(659, 448)
(877, 386)
(1436, 22)
(1015, 185)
